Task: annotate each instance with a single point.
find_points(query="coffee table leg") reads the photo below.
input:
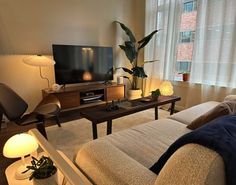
(95, 132)
(172, 108)
(109, 127)
(156, 113)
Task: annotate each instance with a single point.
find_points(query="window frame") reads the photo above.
(187, 9)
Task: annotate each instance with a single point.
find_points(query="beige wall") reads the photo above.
(193, 94)
(24, 79)
(30, 27)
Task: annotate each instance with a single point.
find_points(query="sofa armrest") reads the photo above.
(188, 115)
(230, 97)
(104, 163)
(193, 164)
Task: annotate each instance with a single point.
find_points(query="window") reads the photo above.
(186, 39)
(186, 36)
(183, 66)
(189, 6)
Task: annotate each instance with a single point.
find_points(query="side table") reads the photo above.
(10, 172)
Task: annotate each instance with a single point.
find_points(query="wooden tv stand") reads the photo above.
(84, 95)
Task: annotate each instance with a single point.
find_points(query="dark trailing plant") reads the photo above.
(42, 168)
(131, 49)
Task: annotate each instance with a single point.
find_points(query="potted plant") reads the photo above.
(186, 76)
(43, 171)
(132, 47)
(155, 94)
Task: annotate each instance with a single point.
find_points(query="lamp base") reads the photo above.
(19, 175)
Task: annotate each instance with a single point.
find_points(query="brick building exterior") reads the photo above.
(186, 38)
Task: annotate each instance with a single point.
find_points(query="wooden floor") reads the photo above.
(13, 129)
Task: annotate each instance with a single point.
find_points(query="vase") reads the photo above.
(134, 94)
(52, 180)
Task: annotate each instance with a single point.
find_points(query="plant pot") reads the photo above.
(50, 180)
(134, 94)
(154, 97)
(186, 77)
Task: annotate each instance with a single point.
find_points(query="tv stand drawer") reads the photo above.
(68, 99)
(115, 93)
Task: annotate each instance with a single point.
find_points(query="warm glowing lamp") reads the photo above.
(87, 76)
(20, 145)
(39, 61)
(166, 88)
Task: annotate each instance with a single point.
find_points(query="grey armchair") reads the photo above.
(14, 108)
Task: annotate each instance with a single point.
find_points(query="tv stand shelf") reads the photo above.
(77, 96)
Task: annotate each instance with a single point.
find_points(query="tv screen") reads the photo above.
(76, 64)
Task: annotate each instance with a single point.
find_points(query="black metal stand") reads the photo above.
(156, 113)
(95, 132)
(109, 127)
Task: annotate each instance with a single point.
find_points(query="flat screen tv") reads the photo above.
(78, 64)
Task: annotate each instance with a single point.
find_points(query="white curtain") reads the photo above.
(214, 58)
(164, 15)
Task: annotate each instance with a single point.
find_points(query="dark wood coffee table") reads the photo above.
(99, 114)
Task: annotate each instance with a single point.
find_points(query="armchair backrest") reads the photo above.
(11, 104)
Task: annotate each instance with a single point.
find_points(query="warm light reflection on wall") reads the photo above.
(87, 56)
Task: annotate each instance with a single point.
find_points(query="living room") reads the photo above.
(193, 37)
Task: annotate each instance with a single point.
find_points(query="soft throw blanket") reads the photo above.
(218, 135)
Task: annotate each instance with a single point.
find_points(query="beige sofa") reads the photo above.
(125, 157)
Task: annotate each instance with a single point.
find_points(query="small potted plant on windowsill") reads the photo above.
(131, 47)
(186, 76)
(43, 171)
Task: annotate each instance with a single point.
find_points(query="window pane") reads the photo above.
(189, 6)
(186, 39)
(183, 66)
(186, 36)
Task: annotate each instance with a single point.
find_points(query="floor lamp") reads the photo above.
(39, 61)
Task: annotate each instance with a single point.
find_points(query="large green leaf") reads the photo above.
(125, 77)
(127, 31)
(129, 49)
(146, 39)
(127, 70)
(139, 72)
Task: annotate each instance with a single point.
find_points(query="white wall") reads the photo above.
(30, 27)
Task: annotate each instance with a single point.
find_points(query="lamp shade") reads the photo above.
(38, 60)
(166, 88)
(19, 145)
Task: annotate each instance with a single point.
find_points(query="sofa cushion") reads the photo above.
(193, 164)
(105, 164)
(147, 142)
(190, 114)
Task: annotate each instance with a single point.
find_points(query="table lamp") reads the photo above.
(20, 145)
(39, 61)
(166, 88)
